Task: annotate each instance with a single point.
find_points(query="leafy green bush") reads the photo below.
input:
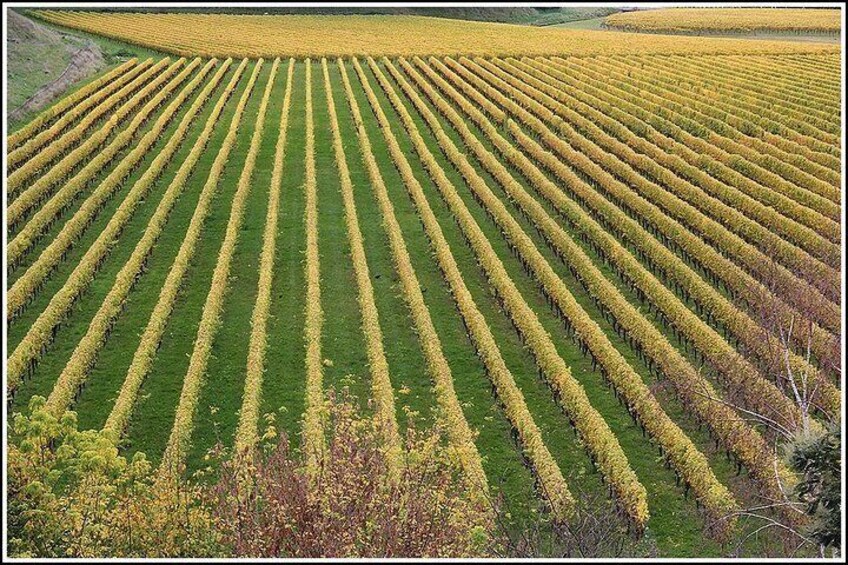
(71, 494)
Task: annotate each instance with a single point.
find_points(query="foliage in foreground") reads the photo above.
(352, 506)
(72, 495)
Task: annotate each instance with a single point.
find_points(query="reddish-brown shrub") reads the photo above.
(270, 506)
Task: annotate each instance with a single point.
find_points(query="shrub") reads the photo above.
(270, 505)
(70, 494)
(817, 460)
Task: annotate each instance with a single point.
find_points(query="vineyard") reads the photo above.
(715, 20)
(584, 267)
(199, 34)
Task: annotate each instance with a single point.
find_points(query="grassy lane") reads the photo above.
(158, 397)
(684, 539)
(107, 374)
(224, 381)
(54, 228)
(95, 179)
(558, 436)
(247, 431)
(284, 384)
(665, 499)
(403, 352)
(314, 439)
(502, 462)
(76, 324)
(343, 343)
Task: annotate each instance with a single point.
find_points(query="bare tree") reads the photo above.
(787, 333)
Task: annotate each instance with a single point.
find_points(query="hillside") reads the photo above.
(514, 14)
(728, 20)
(604, 268)
(340, 36)
(44, 62)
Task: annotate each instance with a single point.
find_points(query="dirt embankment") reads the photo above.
(44, 64)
